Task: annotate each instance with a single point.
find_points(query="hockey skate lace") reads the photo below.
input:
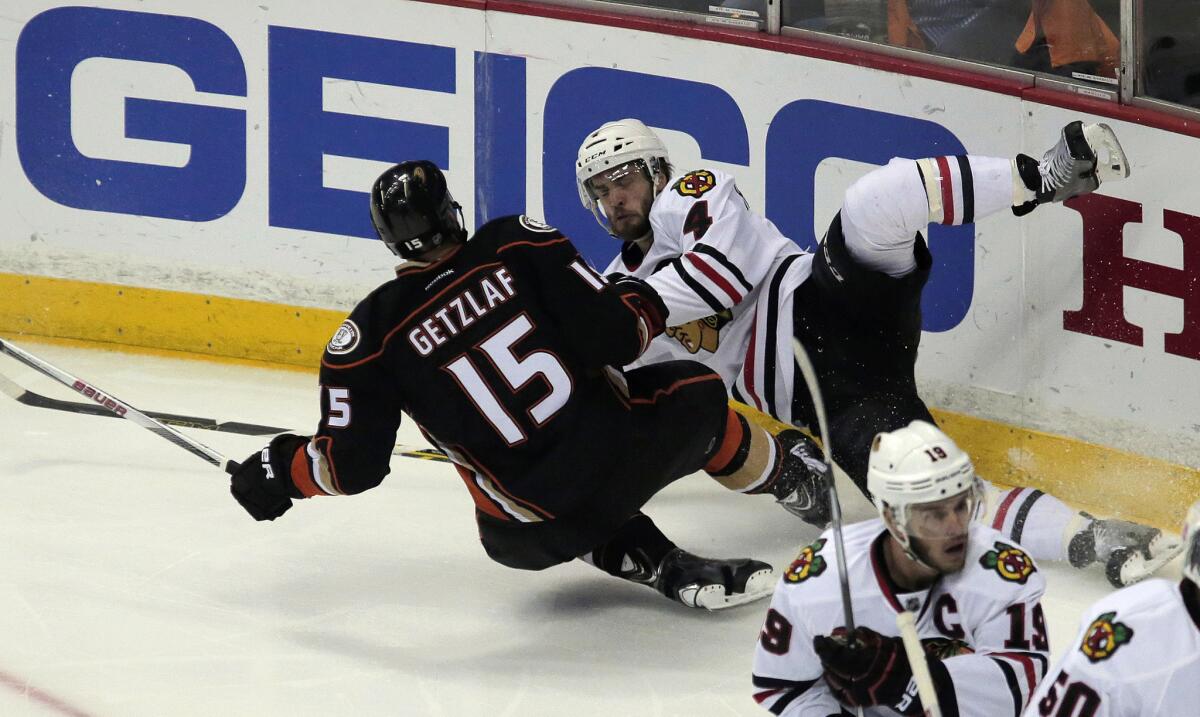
(1055, 167)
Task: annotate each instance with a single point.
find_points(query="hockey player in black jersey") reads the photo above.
(502, 348)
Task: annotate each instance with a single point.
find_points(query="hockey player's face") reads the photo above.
(938, 531)
(625, 194)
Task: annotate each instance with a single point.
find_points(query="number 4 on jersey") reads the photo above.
(697, 221)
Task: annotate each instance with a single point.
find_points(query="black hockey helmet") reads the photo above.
(413, 211)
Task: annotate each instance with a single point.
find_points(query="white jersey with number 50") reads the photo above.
(727, 276)
(985, 623)
(1137, 653)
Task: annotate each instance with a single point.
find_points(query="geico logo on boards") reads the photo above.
(300, 132)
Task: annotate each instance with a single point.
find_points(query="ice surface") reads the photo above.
(133, 585)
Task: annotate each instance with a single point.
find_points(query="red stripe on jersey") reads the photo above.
(748, 364)
(947, 191)
(880, 576)
(1027, 662)
(400, 324)
(714, 277)
(551, 242)
(1002, 512)
(765, 695)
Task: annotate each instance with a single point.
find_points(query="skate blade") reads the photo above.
(713, 597)
(1136, 567)
(1111, 162)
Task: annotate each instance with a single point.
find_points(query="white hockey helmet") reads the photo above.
(612, 146)
(1191, 544)
(914, 465)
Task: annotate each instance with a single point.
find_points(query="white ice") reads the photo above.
(131, 583)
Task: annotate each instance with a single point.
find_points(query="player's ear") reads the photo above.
(889, 517)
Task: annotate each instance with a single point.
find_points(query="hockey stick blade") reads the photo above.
(113, 405)
(37, 400)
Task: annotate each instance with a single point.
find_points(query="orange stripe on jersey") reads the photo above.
(532, 507)
(327, 451)
(482, 502)
(730, 443)
(301, 472)
(551, 242)
(675, 386)
(400, 324)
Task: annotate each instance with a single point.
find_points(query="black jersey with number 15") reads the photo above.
(498, 351)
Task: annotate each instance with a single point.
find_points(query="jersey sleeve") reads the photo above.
(787, 671)
(721, 258)
(1011, 652)
(360, 414)
(605, 323)
(1072, 687)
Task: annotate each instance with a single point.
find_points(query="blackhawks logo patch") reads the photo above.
(1009, 561)
(695, 184)
(1104, 636)
(808, 564)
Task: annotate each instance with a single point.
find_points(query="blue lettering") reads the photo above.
(49, 48)
(301, 133)
(805, 132)
(581, 100)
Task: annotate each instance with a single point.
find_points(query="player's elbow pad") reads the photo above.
(646, 304)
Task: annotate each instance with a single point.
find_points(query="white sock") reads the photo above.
(1039, 522)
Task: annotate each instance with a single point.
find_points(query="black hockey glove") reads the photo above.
(263, 483)
(643, 298)
(868, 670)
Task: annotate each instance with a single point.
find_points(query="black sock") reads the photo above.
(634, 552)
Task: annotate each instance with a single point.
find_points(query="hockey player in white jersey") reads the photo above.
(976, 596)
(737, 290)
(1138, 650)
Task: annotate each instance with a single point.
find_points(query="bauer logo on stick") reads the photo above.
(345, 339)
(1104, 636)
(1009, 561)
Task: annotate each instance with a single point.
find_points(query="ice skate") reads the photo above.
(713, 584)
(1084, 157)
(800, 488)
(1130, 552)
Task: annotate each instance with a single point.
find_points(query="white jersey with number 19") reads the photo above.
(984, 623)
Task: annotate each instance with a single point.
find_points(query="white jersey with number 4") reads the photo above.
(727, 276)
(984, 622)
(1138, 653)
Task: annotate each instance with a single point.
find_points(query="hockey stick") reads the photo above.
(906, 622)
(37, 400)
(835, 507)
(119, 408)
